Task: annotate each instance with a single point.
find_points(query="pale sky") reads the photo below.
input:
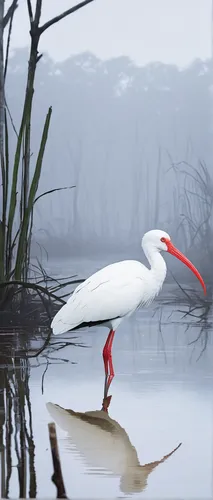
(171, 31)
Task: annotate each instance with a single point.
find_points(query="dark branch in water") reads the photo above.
(57, 477)
(32, 286)
(43, 375)
(35, 287)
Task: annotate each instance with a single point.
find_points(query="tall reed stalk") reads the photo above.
(18, 197)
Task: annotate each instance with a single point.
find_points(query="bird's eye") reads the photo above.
(163, 240)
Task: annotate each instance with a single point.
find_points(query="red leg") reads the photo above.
(111, 372)
(105, 351)
(107, 357)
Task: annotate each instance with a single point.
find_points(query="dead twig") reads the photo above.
(57, 477)
(64, 14)
(10, 12)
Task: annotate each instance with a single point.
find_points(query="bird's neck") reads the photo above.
(157, 264)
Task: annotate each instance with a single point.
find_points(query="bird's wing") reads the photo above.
(113, 292)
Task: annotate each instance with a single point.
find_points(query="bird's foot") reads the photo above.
(106, 403)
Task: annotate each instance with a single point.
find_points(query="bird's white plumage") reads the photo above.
(112, 292)
(115, 291)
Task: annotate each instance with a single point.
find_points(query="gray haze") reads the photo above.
(120, 122)
(118, 126)
(170, 31)
(115, 130)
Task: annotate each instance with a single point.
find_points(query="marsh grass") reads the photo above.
(20, 174)
(195, 208)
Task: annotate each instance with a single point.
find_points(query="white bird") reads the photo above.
(116, 291)
(104, 444)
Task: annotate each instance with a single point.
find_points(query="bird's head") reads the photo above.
(158, 241)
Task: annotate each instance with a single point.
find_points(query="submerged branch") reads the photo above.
(32, 286)
(57, 477)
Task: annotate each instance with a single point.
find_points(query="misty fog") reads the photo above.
(116, 130)
(128, 147)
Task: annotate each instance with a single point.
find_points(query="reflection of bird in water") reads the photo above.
(116, 291)
(104, 444)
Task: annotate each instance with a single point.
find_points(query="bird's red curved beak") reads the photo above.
(174, 251)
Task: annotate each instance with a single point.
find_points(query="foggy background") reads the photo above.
(131, 88)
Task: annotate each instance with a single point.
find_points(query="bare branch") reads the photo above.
(34, 20)
(38, 58)
(30, 11)
(64, 14)
(10, 12)
(32, 286)
(38, 12)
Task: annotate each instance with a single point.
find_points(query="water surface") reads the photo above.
(161, 397)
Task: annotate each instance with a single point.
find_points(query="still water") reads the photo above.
(161, 397)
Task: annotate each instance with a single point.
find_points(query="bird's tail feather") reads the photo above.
(64, 320)
(67, 319)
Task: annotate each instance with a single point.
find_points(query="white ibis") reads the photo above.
(104, 444)
(116, 291)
